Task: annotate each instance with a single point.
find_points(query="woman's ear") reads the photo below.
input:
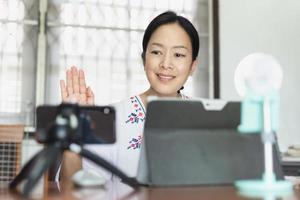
(194, 66)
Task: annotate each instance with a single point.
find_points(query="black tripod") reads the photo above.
(64, 134)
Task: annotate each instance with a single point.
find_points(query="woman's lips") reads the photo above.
(165, 77)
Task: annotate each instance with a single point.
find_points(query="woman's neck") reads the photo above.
(144, 96)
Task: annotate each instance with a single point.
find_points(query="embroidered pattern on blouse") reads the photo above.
(135, 143)
(138, 115)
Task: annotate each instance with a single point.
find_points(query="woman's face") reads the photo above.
(168, 60)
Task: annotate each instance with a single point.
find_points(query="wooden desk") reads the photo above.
(117, 190)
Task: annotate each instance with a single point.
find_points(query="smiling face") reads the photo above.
(168, 60)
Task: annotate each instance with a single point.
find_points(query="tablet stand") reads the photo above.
(268, 186)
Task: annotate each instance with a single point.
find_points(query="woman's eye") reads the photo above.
(178, 55)
(155, 52)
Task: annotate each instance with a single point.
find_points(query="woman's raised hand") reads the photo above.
(76, 91)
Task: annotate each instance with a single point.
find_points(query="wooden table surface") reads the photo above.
(116, 190)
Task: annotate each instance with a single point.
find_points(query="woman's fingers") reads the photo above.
(69, 82)
(63, 90)
(90, 96)
(75, 80)
(82, 86)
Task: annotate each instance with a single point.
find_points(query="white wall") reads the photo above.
(269, 26)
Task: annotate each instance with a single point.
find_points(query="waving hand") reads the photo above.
(76, 91)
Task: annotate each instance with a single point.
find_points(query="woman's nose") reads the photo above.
(166, 62)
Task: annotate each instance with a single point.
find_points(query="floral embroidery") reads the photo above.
(138, 114)
(135, 143)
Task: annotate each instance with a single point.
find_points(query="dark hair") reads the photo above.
(167, 18)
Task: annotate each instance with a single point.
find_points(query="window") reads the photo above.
(18, 30)
(101, 36)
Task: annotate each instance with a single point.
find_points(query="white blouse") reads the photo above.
(130, 119)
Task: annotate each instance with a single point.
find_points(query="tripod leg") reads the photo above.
(24, 171)
(109, 167)
(46, 158)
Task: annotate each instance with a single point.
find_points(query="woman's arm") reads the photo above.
(75, 91)
(71, 163)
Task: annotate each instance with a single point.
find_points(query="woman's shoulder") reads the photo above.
(132, 109)
(131, 101)
(183, 96)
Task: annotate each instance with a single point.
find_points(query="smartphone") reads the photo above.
(101, 118)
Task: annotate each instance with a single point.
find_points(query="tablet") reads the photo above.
(196, 142)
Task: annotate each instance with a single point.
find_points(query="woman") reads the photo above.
(170, 49)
